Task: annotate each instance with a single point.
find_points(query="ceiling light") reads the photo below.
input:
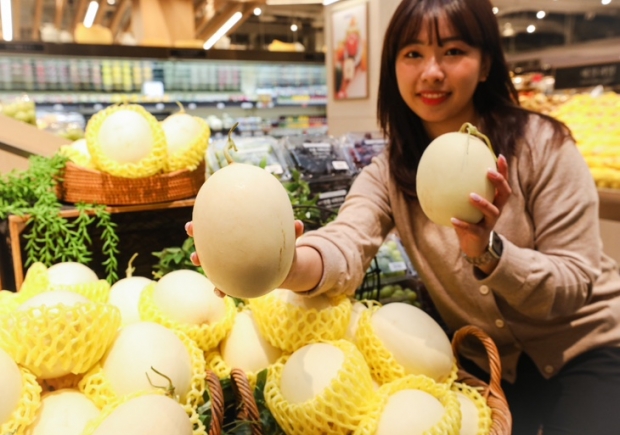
(328, 2)
(234, 19)
(495, 10)
(257, 11)
(605, 2)
(91, 13)
(7, 20)
(541, 14)
(294, 27)
(111, 2)
(531, 28)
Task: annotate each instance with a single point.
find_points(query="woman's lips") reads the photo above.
(433, 98)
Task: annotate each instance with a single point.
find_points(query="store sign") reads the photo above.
(589, 75)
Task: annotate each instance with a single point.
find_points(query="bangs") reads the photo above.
(416, 13)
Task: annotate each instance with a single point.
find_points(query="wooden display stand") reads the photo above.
(141, 216)
(609, 207)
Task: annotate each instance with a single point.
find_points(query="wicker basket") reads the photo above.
(248, 410)
(80, 184)
(217, 403)
(501, 419)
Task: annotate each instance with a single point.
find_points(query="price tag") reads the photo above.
(340, 165)
(274, 169)
(397, 266)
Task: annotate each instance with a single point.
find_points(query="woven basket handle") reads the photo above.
(248, 411)
(501, 423)
(495, 386)
(217, 403)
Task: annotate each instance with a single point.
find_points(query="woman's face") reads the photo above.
(437, 79)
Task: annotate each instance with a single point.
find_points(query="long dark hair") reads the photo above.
(496, 100)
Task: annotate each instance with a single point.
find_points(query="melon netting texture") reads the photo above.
(484, 411)
(37, 282)
(8, 301)
(190, 156)
(450, 422)
(339, 409)
(206, 336)
(76, 156)
(70, 339)
(96, 386)
(383, 366)
(146, 167)
(26, 410)
(106, 411)
(55, 384)
(289, 327)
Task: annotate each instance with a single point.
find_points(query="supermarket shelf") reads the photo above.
(609, 206)
(139, 52)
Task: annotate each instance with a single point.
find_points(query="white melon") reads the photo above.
(125, 294)
(309, 371)
(410, 412)
(187, 296)
(453, 166)
(140, 347)
(63, 412)
(52, 299)
(11, 385)
(151, 414)
(245, 348)
(70, 273)
(470, 417)
(244, 230)
(415, 340)
(357, 309)
(319, 302)
(125, 136)
(181, 130)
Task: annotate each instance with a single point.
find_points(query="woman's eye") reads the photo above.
(413, 54)
(454, 52)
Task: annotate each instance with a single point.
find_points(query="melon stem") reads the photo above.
(181, 108)
(230, 144)
(472, 130)
(130, 269)
(169, 389)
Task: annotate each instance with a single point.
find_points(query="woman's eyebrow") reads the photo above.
(441, 41)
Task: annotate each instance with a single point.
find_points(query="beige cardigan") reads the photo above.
(553, 295)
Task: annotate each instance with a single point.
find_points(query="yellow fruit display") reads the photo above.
(593, 122)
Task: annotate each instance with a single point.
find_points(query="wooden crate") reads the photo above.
(141, 228)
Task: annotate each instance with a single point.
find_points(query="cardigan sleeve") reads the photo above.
(556, 276)
(348, 244)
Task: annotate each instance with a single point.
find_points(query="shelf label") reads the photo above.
(153, 89)
(274, 169)
(397, 266)
(340, 165)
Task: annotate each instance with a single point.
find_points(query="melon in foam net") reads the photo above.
(63, 412)
(10, 385)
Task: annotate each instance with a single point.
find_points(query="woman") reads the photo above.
(532, 273)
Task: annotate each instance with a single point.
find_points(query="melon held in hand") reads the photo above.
(244, 229)
(453, 166)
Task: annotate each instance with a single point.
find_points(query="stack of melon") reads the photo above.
(78, 358)
(593, 122)
(127, 141)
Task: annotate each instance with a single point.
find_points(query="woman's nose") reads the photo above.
(432, 71)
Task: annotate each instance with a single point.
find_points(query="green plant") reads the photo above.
(50, 238)
(175, 258)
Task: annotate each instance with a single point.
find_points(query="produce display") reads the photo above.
(21, 108)
(363, 147)
(593, 122)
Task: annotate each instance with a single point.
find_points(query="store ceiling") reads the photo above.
(273, 23)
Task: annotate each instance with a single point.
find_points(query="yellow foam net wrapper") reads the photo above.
(26, 410)
(55, 341)
(217, 365)
(146, 167)
(37, 282)
(8, 301)
(76, 156)
(96, 386)
(383, 365)
(484, 411)
(450, 422)
(190, 156)
(93, 425)
(339, 409)
(207, 336)
(289, 327)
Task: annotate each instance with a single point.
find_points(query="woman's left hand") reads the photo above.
(474, 238)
